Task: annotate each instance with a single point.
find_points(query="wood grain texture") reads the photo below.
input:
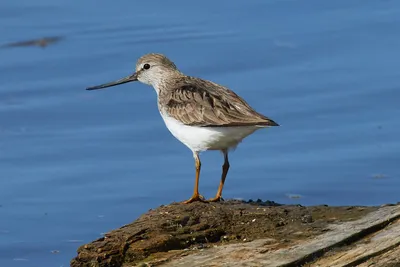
(377, 233)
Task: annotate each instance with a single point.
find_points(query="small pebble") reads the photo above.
(307, 219)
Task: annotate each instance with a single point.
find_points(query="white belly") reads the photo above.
(207, 138)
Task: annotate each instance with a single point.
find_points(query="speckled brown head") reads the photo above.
(151, 69)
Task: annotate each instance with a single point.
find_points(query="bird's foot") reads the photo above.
(194, 198)
(216, 199)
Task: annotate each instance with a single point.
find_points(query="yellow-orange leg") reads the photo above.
(225, 169)
(196, 196)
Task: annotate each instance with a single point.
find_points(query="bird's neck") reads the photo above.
(166, 82)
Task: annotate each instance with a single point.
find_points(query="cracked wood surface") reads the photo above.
(371, 241)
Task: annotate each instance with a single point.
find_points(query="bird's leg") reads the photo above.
(196, 196)
(225, 169)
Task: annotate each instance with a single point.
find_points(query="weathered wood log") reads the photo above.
(360, 240)
(241, 234)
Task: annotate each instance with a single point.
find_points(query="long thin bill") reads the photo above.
(130, 78)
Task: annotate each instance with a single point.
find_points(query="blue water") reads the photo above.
(75, 164)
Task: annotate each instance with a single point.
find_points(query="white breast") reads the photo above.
(207, 138)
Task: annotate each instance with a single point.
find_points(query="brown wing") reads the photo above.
(203, 103)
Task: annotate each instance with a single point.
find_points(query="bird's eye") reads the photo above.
(146, 66)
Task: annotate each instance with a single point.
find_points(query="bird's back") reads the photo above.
(197, 102)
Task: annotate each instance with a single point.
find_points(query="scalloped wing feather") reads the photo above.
(197, 102)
